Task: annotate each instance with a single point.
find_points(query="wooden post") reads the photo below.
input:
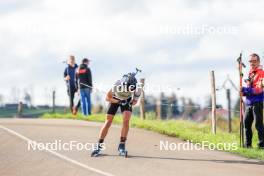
(19, 109)
(53, 101)
(142, 100)
(228, 94)
(213, 102)
(158, 108)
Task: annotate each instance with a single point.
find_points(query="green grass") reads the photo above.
(185, 130)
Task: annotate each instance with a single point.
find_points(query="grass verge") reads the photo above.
(185, 130)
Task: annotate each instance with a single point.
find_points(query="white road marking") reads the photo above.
(58, 154)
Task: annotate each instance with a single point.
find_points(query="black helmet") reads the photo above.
(130, 81)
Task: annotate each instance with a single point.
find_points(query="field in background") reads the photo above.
(183, 129)
(28, 112)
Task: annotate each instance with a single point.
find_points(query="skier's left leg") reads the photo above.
(125, 129)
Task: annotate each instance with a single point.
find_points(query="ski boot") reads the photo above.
(97, 151)
(122, 150)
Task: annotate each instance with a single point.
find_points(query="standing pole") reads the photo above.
(20, 109)
(158, 108)
(241, 65)
(142, 100)
(53, 101)
(213, 102)
(228, 94)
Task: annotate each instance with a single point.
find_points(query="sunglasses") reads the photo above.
(253, 61)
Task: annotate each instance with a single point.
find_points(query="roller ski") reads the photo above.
(122, 151)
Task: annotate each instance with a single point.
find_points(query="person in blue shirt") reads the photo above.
(71, 81)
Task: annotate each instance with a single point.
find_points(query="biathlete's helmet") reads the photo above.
(129, 80)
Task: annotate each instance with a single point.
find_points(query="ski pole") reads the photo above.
(241, 65)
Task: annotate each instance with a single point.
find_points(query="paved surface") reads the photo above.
(145, 156)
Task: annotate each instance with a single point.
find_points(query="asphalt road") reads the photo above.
(145, 157)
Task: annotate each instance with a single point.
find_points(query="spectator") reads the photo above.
(85, 85)
(70, 78)
(254, 101)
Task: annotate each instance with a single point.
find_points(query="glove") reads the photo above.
(123, 102)
(247, 91)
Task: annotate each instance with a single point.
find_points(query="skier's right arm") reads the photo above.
(110, 97)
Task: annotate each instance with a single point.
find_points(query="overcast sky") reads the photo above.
(162, 37)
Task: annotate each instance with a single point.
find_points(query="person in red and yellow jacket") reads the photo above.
(254, 101)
